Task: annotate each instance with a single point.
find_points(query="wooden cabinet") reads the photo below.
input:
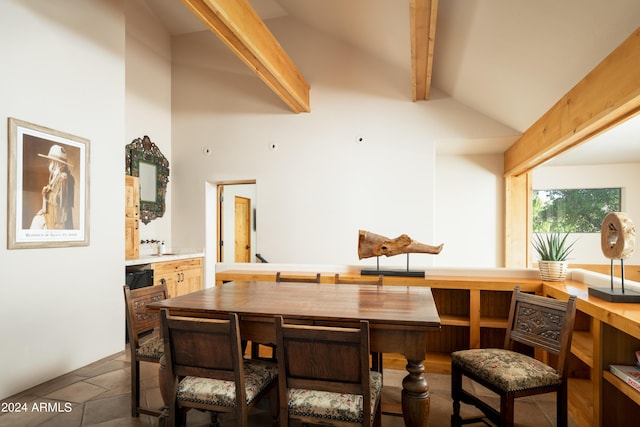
(132, 217)
(605, 333)
(181, 277)
(620, 403)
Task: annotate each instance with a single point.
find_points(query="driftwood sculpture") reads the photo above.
(371, 244)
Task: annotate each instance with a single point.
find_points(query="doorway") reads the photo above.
(236, 222)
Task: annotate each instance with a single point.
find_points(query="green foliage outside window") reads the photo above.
(573, 211)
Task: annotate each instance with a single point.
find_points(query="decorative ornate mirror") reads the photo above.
(145, 160)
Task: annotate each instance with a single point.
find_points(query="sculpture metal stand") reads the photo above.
(371, 244)
(617, 239)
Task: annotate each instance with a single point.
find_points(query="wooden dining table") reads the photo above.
(399, 319)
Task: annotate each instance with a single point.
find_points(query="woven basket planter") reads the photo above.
(553, 271)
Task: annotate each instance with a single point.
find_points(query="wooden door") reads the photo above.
(242, 238)
(132, 217)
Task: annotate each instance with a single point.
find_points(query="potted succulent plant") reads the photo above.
(553, 250)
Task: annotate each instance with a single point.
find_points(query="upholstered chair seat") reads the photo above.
(327, 405)
(153, 348)
(506, 370)
(214, 392)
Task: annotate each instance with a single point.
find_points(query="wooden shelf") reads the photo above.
(625, 388)
(582, 346)
(493, 322)
(448, 320)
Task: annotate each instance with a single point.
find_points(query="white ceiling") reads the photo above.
(510, 60)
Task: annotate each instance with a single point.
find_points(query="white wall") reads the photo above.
(148, 100)
(320, 187)
(587, 249)
(63, 67)
(469, 210)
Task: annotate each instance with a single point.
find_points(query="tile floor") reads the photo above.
(99, 395)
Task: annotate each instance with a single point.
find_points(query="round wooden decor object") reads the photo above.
(617, 236)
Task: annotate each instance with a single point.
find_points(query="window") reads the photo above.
(575, 210)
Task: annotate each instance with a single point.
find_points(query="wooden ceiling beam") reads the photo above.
(238, 25)
(423, 15)
(608, 95)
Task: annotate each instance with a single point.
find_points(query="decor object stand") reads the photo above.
(392, 272)
(617, 238)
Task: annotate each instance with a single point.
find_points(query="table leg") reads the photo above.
(415, 396)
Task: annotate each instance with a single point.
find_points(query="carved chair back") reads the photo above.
(143, 346)
(543, 323)
(139, 321)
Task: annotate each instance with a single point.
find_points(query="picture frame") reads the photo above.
(48, 187)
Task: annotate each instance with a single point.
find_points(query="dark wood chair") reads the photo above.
(255, 347)
(324, 376)
(204, 358)
(145, 344)
(535, 321)
(376, 358)
(281, 278)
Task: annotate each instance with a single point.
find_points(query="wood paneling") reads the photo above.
(517, 218)
(423, 14)
(609, 94)
(238, 26)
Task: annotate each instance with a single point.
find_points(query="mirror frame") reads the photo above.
(142, 149)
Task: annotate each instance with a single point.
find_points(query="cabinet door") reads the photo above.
(170, 280)
(191, 280)
(131, 238)
(181, 277)
(132, 216)
(132, 197)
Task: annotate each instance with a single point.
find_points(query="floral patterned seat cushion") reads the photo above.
(333, 406)
(257, 375)
(152, 348)
(507, 370)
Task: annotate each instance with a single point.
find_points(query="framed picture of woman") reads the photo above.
(48, 187)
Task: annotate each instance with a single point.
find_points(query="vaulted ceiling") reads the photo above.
(510, 60)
